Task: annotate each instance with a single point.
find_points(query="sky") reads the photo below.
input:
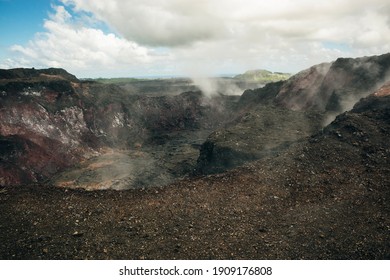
(138, 38)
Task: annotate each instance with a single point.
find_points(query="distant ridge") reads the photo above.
(30, 73)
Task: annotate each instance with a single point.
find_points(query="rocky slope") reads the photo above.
(336, 86)
(254, 134)
(326, 197)
(270, 118)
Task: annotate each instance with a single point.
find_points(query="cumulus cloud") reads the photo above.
(66, 43)
(177, 22)
(249, 32)
(156, 23)
(210, 36)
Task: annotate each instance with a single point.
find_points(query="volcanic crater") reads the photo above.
(296, 169)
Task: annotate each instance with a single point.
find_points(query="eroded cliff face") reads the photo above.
(39, 132)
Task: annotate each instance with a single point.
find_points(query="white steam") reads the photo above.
(217, 86)
(207, 85)
(348, 101)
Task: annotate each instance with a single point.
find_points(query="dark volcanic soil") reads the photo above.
(326, 197)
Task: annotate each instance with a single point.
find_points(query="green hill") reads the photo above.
(262, 76)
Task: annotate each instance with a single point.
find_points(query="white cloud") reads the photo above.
(209, 36)
(249, 32)
(156, 23)
(178, 22)
(80, 49)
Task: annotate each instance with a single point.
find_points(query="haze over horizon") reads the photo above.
(188, 38)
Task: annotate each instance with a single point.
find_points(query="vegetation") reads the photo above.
(116, 80)
(262, 76)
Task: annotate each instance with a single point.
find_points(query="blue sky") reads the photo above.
(21, 19)
(108, 38)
